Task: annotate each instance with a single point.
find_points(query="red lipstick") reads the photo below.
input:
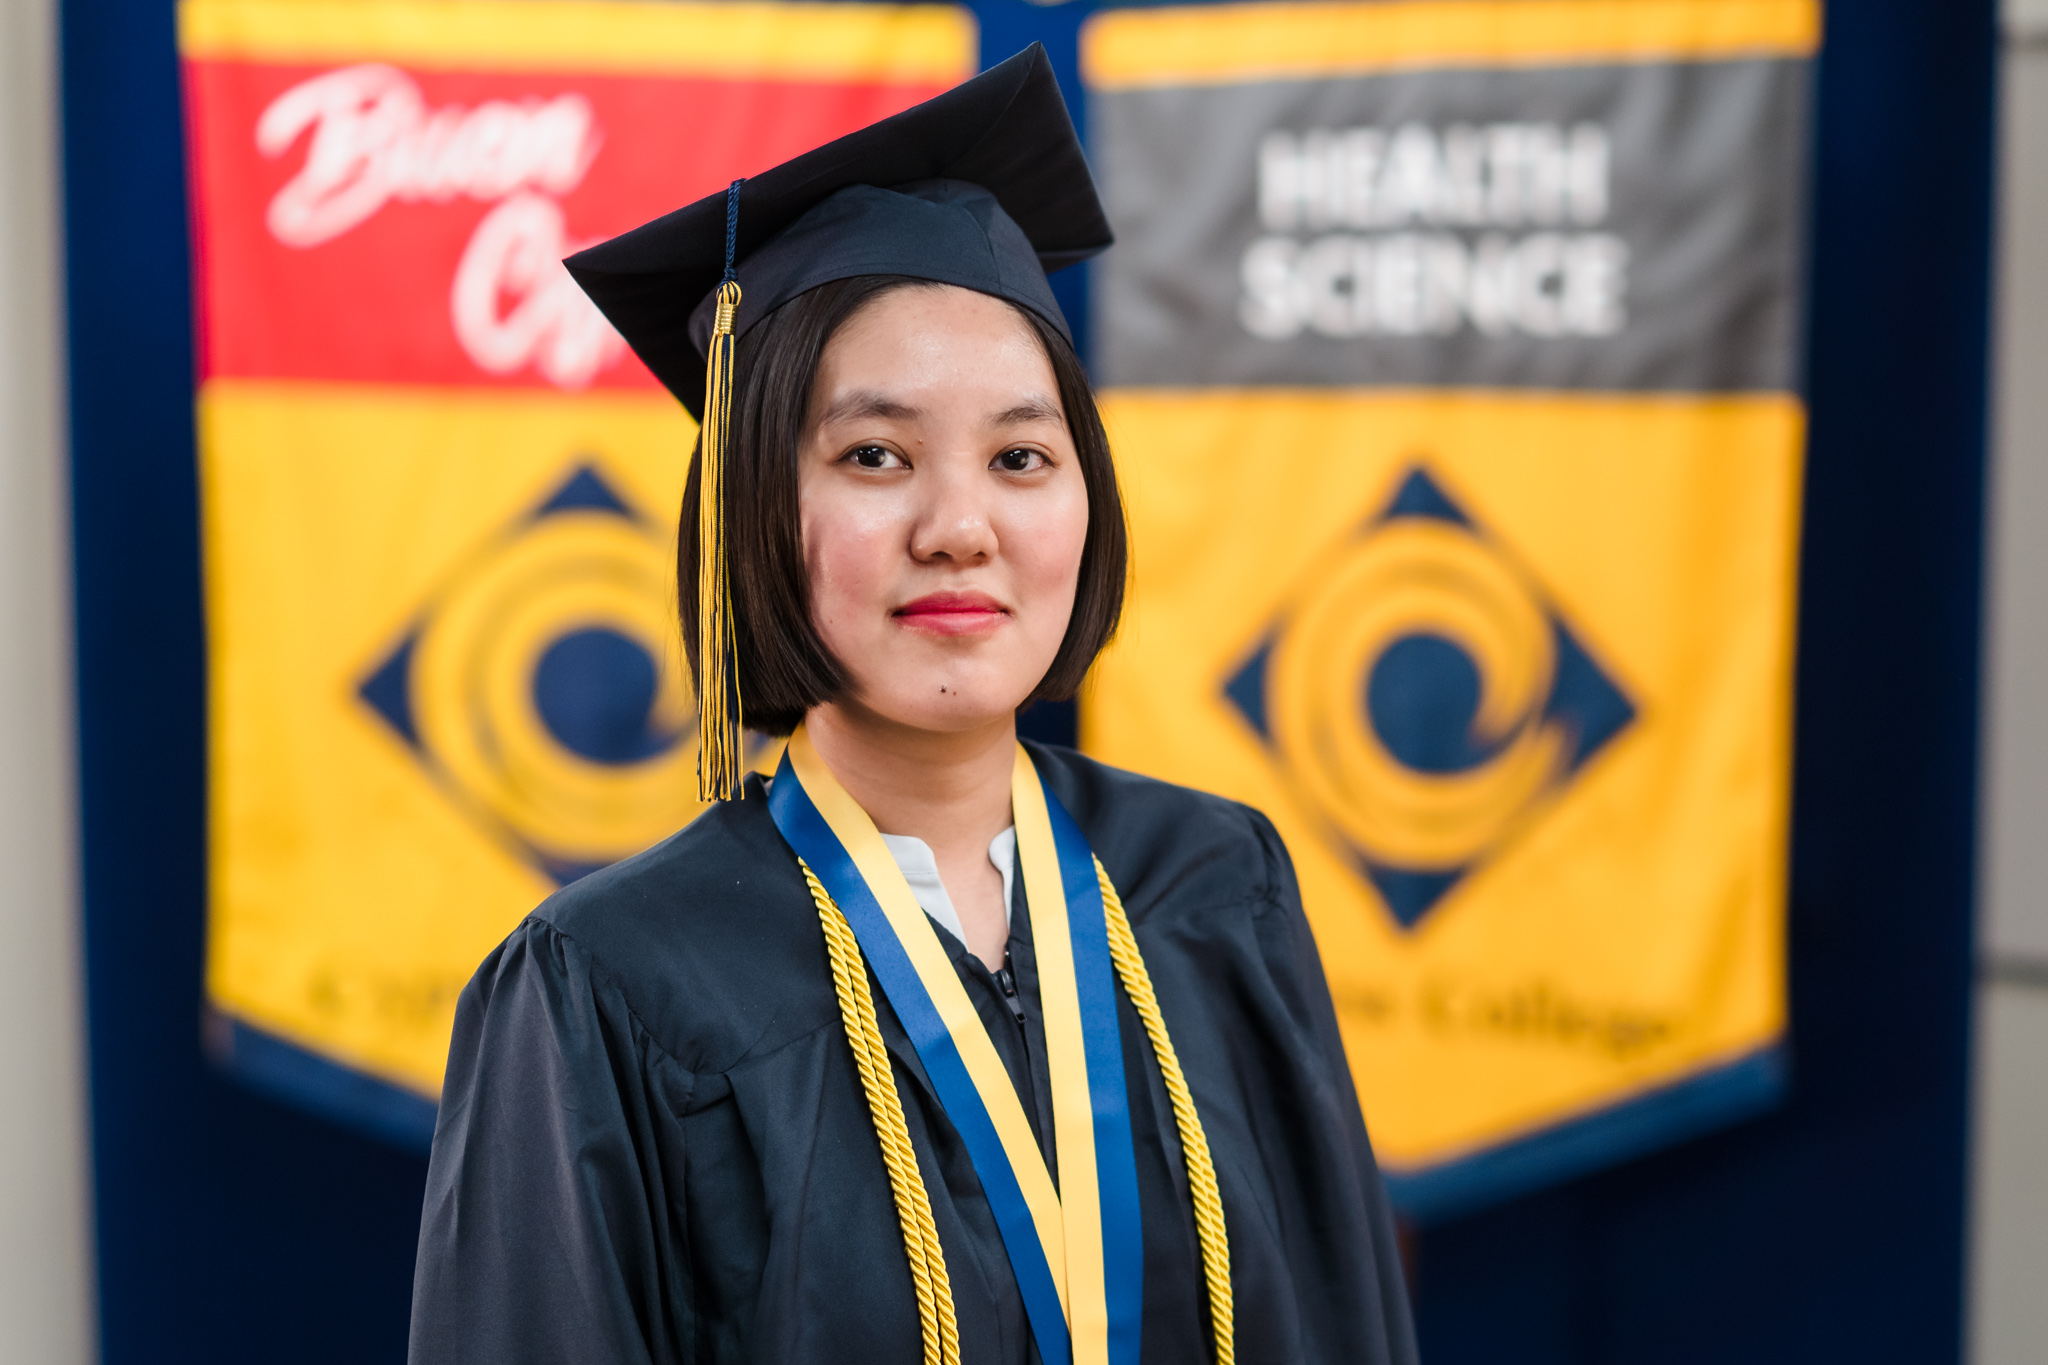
(952, 613)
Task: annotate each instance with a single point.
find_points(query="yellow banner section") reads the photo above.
(1125, 49)
(440, 628)
(1511, 672)
(720, 41)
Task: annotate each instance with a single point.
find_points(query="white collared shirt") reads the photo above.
(921, 870)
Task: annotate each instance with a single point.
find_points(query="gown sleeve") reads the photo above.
(1374, 1322)
(546, 1234)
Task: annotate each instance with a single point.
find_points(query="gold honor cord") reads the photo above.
(1194, 1143)
(913, 1207)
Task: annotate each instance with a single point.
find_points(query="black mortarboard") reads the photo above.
(984, 186)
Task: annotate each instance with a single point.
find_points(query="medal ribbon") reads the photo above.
(1078, 1259)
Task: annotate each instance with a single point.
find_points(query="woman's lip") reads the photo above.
(952, 613)
(951, 604)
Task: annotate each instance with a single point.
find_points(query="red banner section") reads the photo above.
(378, 222)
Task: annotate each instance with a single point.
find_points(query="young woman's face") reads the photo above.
(942, 505)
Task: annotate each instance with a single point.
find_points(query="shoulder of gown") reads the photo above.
(1169, 850)
(710, 937)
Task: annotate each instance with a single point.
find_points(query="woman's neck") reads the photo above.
(948, 788)
(937, 785)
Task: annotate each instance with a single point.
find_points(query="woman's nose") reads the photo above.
(954, 518)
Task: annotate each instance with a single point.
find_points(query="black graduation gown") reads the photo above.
(654, 1148)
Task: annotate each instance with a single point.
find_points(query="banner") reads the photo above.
(439, 493)
(1450, 353)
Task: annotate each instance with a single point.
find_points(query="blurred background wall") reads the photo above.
(2009, 1242)
(46, 1300)
(232, 1229)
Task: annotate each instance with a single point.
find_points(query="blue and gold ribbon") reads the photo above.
(1077, 1250)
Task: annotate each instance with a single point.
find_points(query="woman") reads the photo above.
(931, 1046)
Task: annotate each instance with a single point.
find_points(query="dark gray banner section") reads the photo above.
(1618, 228)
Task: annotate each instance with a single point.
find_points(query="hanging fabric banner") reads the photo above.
(1450, 350)
(439, 493)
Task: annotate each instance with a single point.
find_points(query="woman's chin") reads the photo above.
(947, 686)
(943, 706)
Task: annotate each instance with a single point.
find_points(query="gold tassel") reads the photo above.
(721, 750)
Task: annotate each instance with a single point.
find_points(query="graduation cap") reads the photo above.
(984, 187)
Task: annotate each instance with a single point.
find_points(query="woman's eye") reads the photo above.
(1019, 461)
(874, 457)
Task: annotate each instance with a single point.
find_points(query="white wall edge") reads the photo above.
(2025, 21)
(47, 1298)
(2008, 1316)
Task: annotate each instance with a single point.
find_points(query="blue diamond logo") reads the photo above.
(537, 686)
(1425, 696)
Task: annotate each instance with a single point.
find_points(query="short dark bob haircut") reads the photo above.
(784, 667)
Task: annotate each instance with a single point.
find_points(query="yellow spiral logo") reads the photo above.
(1420, 602)
(1424, 696)
(541, 687)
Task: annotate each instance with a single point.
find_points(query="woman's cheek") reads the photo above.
(821, 569)
(846, 587)
(1053, 545)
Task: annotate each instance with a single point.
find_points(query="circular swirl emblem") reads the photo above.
(1408, 693)
(1423, 696)
(541, 685)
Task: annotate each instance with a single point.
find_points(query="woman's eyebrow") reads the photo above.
(1033, 409)
(862, 403)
